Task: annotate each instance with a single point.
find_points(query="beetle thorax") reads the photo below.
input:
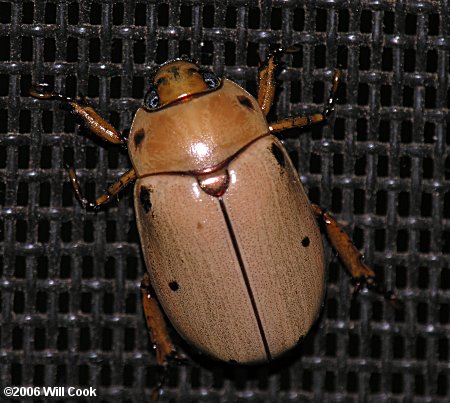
(196, 135)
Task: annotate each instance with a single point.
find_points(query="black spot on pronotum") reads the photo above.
(278, 154)
(161, 80)
(174, 286)
(138, 137)
(175, 72)
(191, 71)
(243, 100)
(144, 198)
(305, 242)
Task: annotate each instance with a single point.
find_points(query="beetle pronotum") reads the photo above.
(215, 196)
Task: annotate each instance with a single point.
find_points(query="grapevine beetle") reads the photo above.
(231, 242)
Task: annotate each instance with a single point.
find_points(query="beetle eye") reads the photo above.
(211, 80)
(151, 99)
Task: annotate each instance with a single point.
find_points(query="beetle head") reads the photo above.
(177, 81)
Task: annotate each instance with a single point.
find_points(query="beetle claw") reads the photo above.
(157, 389)
(370, 284)
(82, 100)
(178, 357)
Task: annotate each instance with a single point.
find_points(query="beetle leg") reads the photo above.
(156, 391)
(352, 258)
(88, 115)
(156, 325)
(159, 336)
(301, 121)
(267, 79)
(342, 243)
(127, 178)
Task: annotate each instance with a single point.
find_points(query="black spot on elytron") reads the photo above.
(232, 361)
(300, 339)
(144, 198)
(138, 137)
(243, 100)
(174, 286)
(278, 154)
(305, 242)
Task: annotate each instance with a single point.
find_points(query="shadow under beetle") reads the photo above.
(231, 242)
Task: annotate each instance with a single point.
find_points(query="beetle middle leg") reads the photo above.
(99, 126)
(352, 258)
(127, 178)
(301, 121)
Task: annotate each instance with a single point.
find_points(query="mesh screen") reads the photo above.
(69, 280)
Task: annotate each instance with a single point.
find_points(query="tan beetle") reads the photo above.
(231, 242)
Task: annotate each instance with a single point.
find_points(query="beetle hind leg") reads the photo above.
(302, 121)
(363, 275)
(156, 325)
(159, 336)
(127, 178)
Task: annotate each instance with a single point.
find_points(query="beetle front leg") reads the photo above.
(88, 115)
(127, 178)
(267, 78)
(301, 121)
(352, 258)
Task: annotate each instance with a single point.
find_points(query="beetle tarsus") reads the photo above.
(157, 389)
(329, 106)
(278, 53)
(85, 203)
(113, 190)
(43, 91)
(302, 121)
(371, 284)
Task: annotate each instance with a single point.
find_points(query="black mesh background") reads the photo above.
(69, 280)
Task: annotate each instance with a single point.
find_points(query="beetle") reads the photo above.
(231, 242)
